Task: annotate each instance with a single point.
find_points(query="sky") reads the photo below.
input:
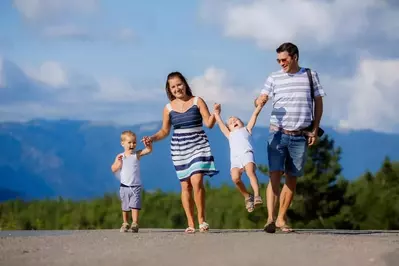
(107, 61)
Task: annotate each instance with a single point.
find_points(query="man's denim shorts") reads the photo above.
(287, 153)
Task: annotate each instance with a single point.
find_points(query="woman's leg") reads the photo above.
(199, 196)
(187, 201)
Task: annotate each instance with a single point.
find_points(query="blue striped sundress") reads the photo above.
(190, 149)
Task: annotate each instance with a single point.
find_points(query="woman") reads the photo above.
(190, 149)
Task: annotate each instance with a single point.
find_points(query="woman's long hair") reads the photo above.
(183, 79)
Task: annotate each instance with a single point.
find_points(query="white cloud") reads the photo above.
(372, 96)
(126, 34)
(36, 10)
(214, 85)
(117, 90)
(66, 31)
(50, 72)
(317, 23)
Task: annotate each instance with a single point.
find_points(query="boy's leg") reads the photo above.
(125, 208)
(297, 153)
(135, 206)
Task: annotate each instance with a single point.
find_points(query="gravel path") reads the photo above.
(217, 247)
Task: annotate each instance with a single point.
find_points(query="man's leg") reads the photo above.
(294, 165)
(276, 150)
(272, 193)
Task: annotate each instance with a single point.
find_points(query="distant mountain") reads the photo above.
(72, 159)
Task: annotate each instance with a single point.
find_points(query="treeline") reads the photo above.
(324, 199)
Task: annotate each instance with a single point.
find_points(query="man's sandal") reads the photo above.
(285, 229)
(204, 227)
(270, 227)
(189, 230)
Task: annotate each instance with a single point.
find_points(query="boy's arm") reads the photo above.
(116, 166)
(222, 126)
(254, 116)
(145, 151)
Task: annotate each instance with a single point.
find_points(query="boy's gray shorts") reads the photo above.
(130, 197)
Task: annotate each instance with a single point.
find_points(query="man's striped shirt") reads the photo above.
(292, 102)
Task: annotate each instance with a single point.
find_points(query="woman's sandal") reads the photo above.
(189, 230)
(204, 227)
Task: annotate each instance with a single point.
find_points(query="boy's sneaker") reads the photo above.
(124, 228)
(134, 228)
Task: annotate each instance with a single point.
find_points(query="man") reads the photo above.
(288, 137)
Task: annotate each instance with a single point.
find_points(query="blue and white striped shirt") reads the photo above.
(292, 102)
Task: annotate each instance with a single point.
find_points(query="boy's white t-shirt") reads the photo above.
(129, 174)
(240, 142)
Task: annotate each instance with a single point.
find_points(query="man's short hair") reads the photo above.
(288, 47)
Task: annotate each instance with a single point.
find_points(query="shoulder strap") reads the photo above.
(195, 100)
(310, 82)
(169, 106)
(309, 73)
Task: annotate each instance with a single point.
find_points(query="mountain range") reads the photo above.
(72, 158)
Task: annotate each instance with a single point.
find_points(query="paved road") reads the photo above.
(218, 247)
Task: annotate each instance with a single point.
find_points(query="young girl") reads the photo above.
(242, 154)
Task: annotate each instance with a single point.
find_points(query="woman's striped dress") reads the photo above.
(190, 149)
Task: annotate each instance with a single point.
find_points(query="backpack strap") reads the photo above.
(309, 73)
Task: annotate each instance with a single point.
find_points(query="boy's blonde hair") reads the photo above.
(127, 133)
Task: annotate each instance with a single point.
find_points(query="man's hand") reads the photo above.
(261, 100)
(312, 137)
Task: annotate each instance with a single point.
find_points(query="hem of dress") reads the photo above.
(209, 173)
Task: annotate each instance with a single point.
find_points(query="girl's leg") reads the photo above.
(236, 177)
(199, 196)
(251, 173)
(187, 201)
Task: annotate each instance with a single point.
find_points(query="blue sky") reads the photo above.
(107, 60)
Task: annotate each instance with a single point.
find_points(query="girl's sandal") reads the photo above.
(204, 227)
(189, 230)
(249, 204)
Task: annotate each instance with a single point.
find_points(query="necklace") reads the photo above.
(182, 106)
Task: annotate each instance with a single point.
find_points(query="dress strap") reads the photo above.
(195, 100)
(169, 106)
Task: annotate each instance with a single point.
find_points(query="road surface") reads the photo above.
(156, 247)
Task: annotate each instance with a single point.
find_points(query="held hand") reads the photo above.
(217, 108)
(261, 100)
(147, 141)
